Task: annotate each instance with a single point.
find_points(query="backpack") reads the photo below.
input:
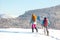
(34, 17)
(45, 22)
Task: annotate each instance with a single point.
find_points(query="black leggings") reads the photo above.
(35, 28)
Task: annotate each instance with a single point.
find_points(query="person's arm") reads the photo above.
(48, 22)
(41, 22)
(30, 21)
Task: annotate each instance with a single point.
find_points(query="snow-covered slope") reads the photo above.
(25, 34)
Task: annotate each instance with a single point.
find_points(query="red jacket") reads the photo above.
(45, 24)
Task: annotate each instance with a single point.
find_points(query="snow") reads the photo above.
(26, 34)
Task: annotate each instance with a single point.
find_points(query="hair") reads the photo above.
(34, 17)
(45, 18)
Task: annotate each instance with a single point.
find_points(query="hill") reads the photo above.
(52, 13)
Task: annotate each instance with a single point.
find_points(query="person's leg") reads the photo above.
(44, 30)
(35, 27)
(32, 28)
(47, 31)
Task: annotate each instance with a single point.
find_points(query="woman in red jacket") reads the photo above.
(45, 24)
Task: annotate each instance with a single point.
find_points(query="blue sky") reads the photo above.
(18, 7)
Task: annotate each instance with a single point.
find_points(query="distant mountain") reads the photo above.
(52, 13)
(5, 16)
